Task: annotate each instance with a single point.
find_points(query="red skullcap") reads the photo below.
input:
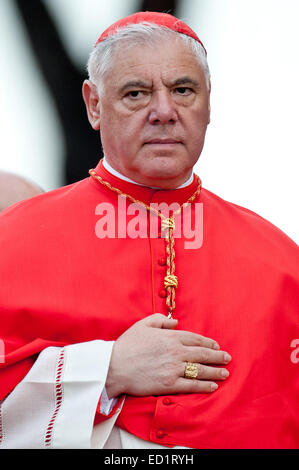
(161, 19)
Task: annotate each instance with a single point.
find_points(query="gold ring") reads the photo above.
(191, 371)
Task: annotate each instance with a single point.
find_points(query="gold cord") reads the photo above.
(167, 225)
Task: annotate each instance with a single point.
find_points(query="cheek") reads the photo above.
(111, 129)
(123, 124)
(199, 121)
(119, 139)
(196, 134)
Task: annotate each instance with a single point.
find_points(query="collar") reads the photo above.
(143, 193)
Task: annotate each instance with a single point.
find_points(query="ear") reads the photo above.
(209, 90)
(92, 103)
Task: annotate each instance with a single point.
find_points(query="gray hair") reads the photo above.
(101, 57)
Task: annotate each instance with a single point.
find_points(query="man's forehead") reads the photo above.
(139, 65)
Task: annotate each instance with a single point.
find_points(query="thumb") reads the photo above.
(158, 320)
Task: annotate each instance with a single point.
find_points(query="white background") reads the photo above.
(252, 151)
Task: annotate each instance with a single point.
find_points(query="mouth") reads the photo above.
(162, 142)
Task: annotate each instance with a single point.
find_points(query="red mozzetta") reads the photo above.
(62, 284)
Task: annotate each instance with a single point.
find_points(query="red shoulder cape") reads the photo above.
(61, 284)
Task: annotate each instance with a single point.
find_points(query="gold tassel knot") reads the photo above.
(170, 281)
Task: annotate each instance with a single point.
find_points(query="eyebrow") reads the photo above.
(133, 84)
(140, 84)
(185, 81)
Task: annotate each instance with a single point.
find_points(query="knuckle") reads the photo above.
(200, 368)
(153, 317)
(203, 386)
(218, 357)
(194, 385)
(204, 356)
(175, 350)
(206, 387)
(199, 340)
(167, 382)
(169, 379)
(205, 342)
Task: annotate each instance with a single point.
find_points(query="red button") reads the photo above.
(163, 293)
(162, 261)
(160, 434)
(167, 401)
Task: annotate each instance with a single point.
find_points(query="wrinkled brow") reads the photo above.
(134, 84)
(186, 80)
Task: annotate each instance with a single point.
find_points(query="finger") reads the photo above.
(209, 373)
(206, 356)
(192, 339)
(157, 320)
(194, 386)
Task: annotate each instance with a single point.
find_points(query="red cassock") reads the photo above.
(62, 284)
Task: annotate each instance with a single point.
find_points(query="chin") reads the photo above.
(162, 174)
(164, 179)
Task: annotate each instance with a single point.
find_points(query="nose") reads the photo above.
(163, 109)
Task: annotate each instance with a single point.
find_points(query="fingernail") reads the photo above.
(216, 346)
(227, 357)
(224, 373)
(214, 387)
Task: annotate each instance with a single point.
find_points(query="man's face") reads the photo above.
(153, 113)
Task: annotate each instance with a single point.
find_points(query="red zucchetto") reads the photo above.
(161, 19)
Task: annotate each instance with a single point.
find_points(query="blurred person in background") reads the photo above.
(15, 188)
(120, 339)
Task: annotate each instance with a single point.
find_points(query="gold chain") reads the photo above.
(167, 225)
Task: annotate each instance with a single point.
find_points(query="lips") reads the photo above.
(162, 141)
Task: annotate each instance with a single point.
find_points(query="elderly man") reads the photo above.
(123, 326)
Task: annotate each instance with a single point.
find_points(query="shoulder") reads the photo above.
(246, 232)
(242, 216)
(59, 203)
(47, 217)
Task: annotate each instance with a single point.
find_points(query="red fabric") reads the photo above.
(162, 19)
(60, 284)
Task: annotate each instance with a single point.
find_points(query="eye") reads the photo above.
(183, 91)
(135, 94)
